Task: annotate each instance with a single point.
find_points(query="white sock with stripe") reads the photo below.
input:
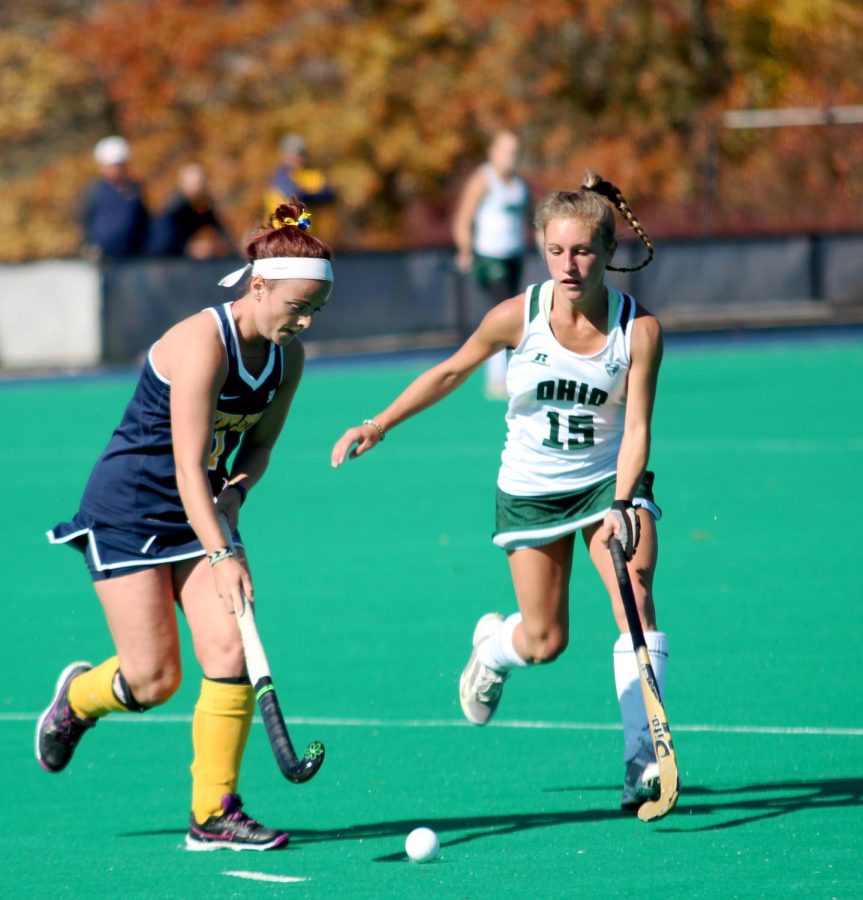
(497, 651)
(635, 728)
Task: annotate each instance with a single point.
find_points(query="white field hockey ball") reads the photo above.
(422, 845)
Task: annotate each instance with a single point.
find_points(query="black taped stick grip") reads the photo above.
(625, 585)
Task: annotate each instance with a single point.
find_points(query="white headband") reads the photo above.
(283, 267)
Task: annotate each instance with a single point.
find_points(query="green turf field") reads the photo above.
(369, 580)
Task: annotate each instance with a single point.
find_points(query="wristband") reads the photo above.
(240, 488)
(375, 425)
(219, 555)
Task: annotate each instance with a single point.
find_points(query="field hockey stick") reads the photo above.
(292, 767)
(666, 759)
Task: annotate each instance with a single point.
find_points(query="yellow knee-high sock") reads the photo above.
(220, 727)
(91, 694)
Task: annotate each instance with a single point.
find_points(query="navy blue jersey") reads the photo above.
(134, 482)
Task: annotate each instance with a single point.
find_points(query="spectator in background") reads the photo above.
(295, 177)
(114, 217)
(189, 224)
(490, 230)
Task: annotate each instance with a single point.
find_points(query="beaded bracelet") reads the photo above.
(375, 425)
(219, 555)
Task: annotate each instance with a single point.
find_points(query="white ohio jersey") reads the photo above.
(566, 411)
(499, 222)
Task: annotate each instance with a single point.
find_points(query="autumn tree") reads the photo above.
(396, 99)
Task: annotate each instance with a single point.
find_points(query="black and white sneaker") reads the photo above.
(59, 730)
(641, 781)
(233, 830)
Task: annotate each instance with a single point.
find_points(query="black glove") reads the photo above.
(627, 518)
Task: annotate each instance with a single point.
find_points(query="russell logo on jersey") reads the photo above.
(612, 366)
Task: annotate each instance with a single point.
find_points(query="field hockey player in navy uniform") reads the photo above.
(194, 440)
(581, 382)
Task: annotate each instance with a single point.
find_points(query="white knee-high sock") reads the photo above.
(635, 729)
(497, 650)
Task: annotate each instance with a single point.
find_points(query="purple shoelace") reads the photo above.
(232, 807)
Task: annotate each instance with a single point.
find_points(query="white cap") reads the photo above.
(293, 143)
(111, 151)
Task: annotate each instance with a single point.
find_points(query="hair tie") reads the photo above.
(303, 223)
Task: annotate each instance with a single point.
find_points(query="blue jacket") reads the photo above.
(115, 219)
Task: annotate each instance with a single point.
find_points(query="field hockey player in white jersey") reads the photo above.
(581, 383)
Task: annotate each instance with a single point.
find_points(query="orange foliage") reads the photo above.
(396, 100)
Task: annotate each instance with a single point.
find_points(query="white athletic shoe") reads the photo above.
(480, 688)
(641, 781)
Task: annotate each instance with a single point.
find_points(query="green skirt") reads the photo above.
(534, 521)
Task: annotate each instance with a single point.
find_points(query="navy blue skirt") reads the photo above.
(110, 551)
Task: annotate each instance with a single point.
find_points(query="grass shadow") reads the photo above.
(753, 802)
(465, 828)
(745, 803)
